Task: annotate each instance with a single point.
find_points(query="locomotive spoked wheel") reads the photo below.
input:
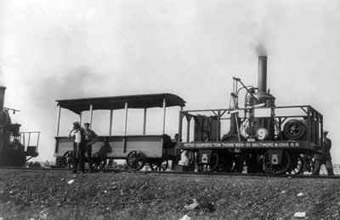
(226, 163)
(294, 129)
(135, 160)
(98, 164)
(277, 169)
(297, 166)
(68, 158)
(211, 165)
(160, 165)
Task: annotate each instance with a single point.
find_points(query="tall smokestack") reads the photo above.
(262, 74)
(2, 97)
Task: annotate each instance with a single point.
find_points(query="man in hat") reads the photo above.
(77, 133)
(324, 157)
(90, 138)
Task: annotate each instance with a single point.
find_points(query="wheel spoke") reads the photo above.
(135, 160)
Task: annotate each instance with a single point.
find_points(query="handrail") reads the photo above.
(240, 109)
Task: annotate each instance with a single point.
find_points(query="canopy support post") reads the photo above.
(91, 115)
(58, 119)
(188, 129)
(111, 117)
(180, 126)
(164, 114)
(144, 122)
(125, 126)
(126, 118)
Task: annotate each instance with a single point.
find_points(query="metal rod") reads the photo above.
(237, 127)
(144, 121)
(111, 118)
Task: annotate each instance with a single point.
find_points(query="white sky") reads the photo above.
(65, 49)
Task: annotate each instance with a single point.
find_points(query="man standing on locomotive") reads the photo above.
(324, 157)
(77, 133)
(90, 138)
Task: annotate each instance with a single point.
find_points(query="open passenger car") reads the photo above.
(154, 149)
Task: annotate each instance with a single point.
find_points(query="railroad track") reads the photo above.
(188, 173)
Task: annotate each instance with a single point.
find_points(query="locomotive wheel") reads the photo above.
(277, 169)
(226, 162)
(98, 164)
(160, 165)
(135, 160)
(212, 165)
(69, 159)
(294, 129)
(297, 166)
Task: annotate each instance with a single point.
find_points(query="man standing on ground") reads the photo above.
(77, 133)
(324, 157)
(90, 138)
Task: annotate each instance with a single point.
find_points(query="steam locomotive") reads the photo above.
(252, 135)
(16, 147)
(262, 137)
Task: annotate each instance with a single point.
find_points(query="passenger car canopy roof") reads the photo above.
(118, 102)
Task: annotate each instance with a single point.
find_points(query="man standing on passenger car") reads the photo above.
(77, 133)
(90, 138)
(324, 157)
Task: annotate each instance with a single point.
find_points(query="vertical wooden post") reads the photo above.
(38, 141)
(80, 118)
(58, 119)
(126, 118)
(164, 114)
(111, 117)
(219, 125)
(125, 126)
(91, 115)
(144, 122)
(188, 129)
(180, 124)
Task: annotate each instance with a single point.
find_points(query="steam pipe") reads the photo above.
(262, 74)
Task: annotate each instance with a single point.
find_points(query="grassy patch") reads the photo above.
(58, 195)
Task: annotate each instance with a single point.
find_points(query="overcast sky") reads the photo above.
(66, 49)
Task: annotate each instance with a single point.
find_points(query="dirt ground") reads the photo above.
(62, 195)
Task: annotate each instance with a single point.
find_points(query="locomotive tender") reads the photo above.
(262, 137)
(16, 147)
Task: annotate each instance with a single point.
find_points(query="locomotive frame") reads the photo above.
(217, 154)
